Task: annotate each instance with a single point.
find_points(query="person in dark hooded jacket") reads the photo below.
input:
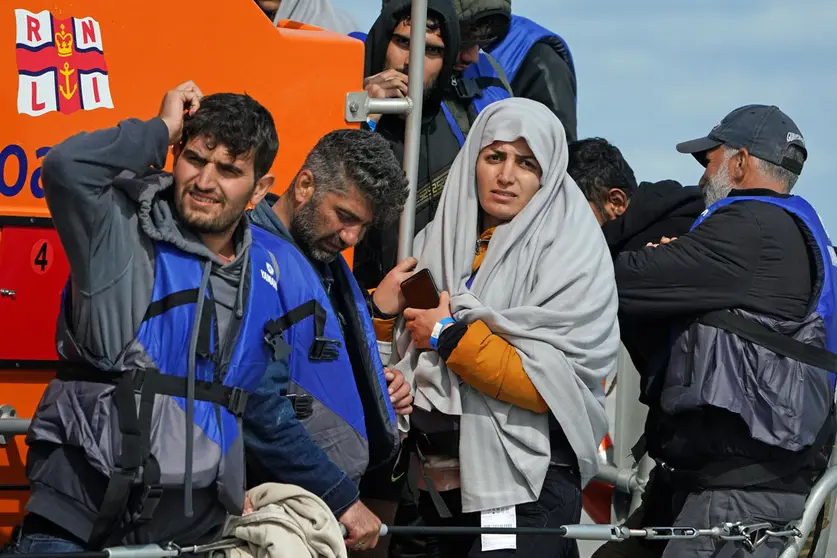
(631, 216)
(536, 61)
(386, 69)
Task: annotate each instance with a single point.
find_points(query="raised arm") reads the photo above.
(97, 226)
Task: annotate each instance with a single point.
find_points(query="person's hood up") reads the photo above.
(654, 206)
(470, 11)
(320, 13)
(380, 35)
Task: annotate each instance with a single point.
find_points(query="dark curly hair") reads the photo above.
(597, 166)
(239, 123)
(364, 159)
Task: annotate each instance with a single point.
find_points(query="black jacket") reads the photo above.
(656, 209)
(545, 77)
(376, 254)
(751, 256)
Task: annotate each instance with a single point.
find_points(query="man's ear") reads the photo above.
(618, 200)
(263, 186)
(176, 151)
(303, 187)
(739, 165)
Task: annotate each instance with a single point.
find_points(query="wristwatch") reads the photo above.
(437, 331)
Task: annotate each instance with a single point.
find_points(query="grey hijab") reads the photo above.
(547, 287)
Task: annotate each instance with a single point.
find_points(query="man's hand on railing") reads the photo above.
(362, 525)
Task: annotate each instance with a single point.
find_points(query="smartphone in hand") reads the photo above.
(420, 291)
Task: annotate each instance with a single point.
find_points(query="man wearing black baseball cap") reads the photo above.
(759, 134)
(740, 395)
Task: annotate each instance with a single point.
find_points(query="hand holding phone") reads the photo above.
(420, 291)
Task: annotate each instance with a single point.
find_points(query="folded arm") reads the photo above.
(490, 364)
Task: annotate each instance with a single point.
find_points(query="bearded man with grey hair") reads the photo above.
(740, 388)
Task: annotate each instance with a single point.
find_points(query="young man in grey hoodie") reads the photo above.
(145, 246)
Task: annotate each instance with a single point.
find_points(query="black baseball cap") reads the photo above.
(765, 131)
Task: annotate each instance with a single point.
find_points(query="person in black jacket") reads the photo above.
(545, 74)
(387, 68)
(631, 216)
(737, 431)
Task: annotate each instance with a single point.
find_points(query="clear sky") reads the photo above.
(652, 73)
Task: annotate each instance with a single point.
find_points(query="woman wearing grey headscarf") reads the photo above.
(509, 401)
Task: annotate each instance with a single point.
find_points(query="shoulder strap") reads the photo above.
(460, 117)
(500, 73)
(322, 347)
(781, 344)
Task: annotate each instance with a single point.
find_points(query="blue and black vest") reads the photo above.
(173, 399)
(778, 375)
(345, 407)
(486, 85)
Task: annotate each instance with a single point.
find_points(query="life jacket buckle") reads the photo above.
(324, 348)
(237, 401)
(465, 88)
(149, 500)
(278, 345)
(303, 405)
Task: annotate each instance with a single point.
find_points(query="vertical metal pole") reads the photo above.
(412, 136)
(629, 422)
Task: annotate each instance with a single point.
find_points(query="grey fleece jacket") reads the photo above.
(108, 205)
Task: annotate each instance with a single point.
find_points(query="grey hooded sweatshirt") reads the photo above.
(108, 205)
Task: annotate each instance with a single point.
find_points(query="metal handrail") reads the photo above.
(14, 426)
(816, 499)
(10, 425)
(624, 480)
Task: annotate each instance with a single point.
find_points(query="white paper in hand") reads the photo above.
(498, 517)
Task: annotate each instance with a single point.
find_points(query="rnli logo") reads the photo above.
(60, 64)
(269, 275)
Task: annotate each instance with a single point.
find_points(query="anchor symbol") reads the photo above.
(67, 72)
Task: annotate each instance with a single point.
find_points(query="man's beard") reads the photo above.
(429, 88)
(717, 186)
(226, 218)
(304, 227)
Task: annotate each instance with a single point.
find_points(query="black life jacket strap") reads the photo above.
(321, 349)
(729, 474)
(181, 298)
(778, 343)
(134, 489)
(417, 441)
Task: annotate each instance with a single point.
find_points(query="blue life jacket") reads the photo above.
(345, 408)
(482, 79)
(523, 34)
(778, 375)
(146, 421)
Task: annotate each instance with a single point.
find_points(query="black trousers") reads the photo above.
(559, 504)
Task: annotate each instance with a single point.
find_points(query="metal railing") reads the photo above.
(11, 425)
